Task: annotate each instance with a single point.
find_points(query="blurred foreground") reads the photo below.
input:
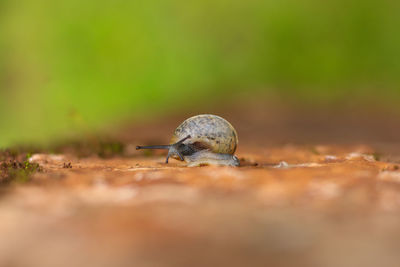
(298, 198)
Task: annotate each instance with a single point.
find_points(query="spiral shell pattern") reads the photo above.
(209, 131)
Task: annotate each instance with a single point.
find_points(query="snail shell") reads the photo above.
(210, 131)
(203, 140)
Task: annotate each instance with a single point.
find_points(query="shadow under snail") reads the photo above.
(202, 140)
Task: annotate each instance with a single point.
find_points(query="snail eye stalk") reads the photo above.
(153, 147)
(172, 149)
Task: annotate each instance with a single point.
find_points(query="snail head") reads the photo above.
(177, 150)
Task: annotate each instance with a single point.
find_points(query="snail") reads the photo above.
(202, 140)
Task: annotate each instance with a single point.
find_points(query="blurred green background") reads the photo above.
(75, 65)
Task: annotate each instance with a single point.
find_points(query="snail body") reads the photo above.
(202, 140)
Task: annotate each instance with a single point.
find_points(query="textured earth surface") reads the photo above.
(314, 189)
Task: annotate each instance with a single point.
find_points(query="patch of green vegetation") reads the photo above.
(13, 170)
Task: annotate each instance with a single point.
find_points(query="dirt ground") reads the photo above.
(314, 189)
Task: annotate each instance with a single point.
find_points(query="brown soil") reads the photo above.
(314, 189)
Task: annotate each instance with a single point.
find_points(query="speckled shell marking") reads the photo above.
(211, 130)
